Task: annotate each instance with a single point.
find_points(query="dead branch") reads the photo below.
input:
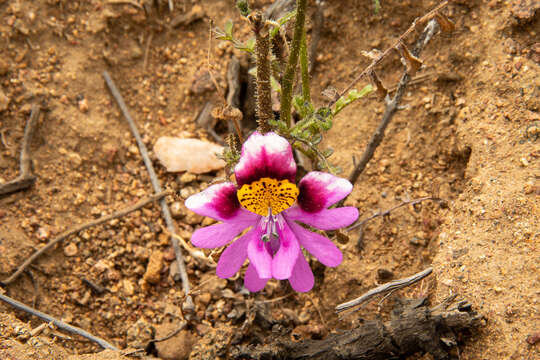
(80, 228)
(25, 178)
(58, 323)
(156, 185)
(392, 105)
(384, 289)
(414, 328)
(427, 17)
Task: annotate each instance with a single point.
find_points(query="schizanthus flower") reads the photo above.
(267, 200)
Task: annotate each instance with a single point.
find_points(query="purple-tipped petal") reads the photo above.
(219, 202)
(287, 254)
(327, 219)
(214, 236)
(319, 190)
(319, 246)
(252, 281)
(302, 279)
(268, 155)
(259, 256)
(233, 257)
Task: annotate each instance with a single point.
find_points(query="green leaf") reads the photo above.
(282, 21)
(352, 96)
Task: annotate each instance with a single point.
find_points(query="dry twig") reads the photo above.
(25, 178)
(80, 228)
(155, 184)
(430, 15)
(58, 323)
(392, 105)
(385, 288)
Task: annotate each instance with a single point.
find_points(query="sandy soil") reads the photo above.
(469, 133)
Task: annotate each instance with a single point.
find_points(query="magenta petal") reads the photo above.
(268, 155)
(219, 202)
(214, 236)
(302, 279)
(252, 281)
(287, 254)
(327, 219)
(319, 246)
(259, 256)
(319, 190)
(233, 257)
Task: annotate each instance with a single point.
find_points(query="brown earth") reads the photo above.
(468, 133)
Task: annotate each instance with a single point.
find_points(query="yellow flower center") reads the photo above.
(267, 196)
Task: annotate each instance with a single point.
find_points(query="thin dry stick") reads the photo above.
(25, 178)
(385, 288)
(430, 15)
(387, 212)
(155, 184)
(392, 105)
(60, 324)
(80, 228)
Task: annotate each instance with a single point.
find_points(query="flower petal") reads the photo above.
(287, 254)
(268, 155)
(219, 202)
(233, 257)
(259, 256)
(327, 219)
(214, 236)
(302, 279)
(319, 246)
(319, 190)
(252, 281)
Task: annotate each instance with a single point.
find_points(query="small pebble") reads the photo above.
(71, 250)
(154, 267)
(83, 105)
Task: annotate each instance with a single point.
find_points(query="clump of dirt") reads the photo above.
(468, 133)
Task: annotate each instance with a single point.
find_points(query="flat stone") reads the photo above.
(192, 155)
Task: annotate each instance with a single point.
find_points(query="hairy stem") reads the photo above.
(264, 89)
(288, 79)
(304, 68)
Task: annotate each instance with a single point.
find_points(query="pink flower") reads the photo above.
(267, 200)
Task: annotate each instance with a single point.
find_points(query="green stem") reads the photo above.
(288, 78)
(304, 67)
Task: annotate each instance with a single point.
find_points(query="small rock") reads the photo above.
(205, 298)
(154, 267)
(129, 288)
(178, 210)
(83, 105)
(186, 178)
(43, 232)
(202, 82)
(4, 100)
(71, 250)
(384, 275)
(140, 333)
(193, 219)
(193, 155)
(177, 347)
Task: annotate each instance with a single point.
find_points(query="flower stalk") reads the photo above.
(288, 78)
(304, 68)
(264, 89)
